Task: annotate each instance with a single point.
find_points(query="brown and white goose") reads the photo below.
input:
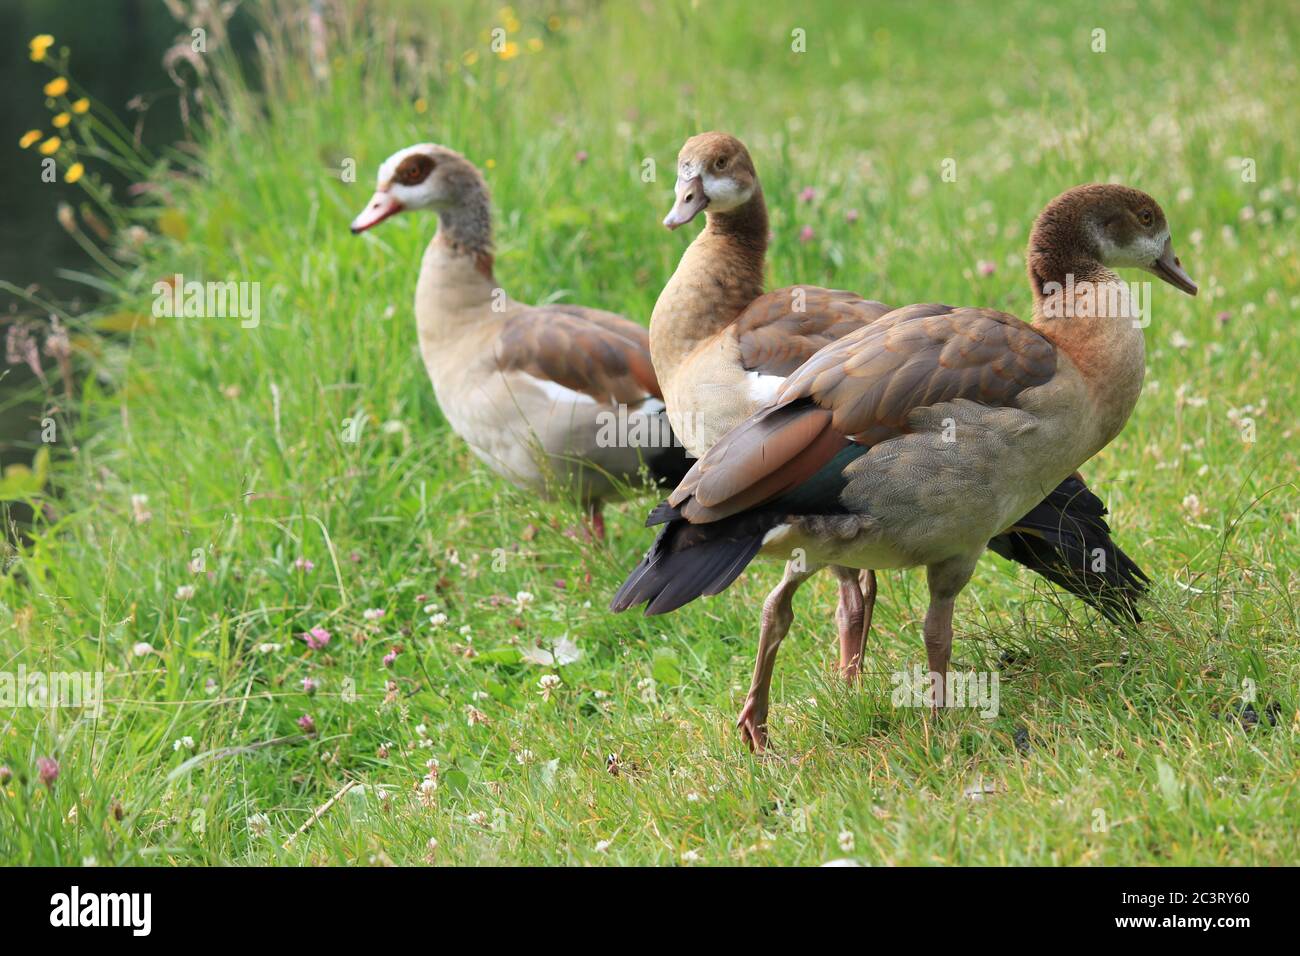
(557, 398)
(722, 349)
(918, 438)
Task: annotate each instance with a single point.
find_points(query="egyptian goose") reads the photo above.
(722, 348)
(918, 438)
(552, 398)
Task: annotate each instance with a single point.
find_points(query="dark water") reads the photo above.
(116, 54)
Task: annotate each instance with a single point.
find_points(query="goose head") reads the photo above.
(714, 171)
(1106, 224)
(424, 176)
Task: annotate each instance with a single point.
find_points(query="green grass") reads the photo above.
(1133, 752)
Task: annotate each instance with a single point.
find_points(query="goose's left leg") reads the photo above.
(778, 614)
(946, 580)
(851, 616)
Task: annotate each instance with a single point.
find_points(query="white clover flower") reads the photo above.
(185, 592)
(142, 648)
(603, 845)
(268, 648)
(846, 841)
(478, 818)
(438, 620)
(548, 683)
(524, 756)
(187, 742)
(258, 824)
(646, 686)
(430, 608)
(524, 598)
(373, 613)
(690, 856)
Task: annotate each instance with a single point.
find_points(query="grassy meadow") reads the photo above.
(218, 491)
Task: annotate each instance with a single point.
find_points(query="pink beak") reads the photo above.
(381, 206)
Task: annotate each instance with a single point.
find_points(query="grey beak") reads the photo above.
(1170, 269)
(690, 202)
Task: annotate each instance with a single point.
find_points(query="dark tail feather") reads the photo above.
(670, 464)
(688, 561)
(1066, 539)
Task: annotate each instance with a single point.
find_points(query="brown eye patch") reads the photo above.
(414, 169)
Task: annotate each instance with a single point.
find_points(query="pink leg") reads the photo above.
(848, 617)
(596, 518)
(867, 581)
(946, 581)
(777, 617)
(938, 646)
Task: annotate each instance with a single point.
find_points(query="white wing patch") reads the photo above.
(559, 394)
(763, 388)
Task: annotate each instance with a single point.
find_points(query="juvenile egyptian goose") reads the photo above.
(722, 348)
(918, 438)
(557, 398)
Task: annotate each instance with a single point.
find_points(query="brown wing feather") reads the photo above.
(782, 329)
(597, 353)
(863, 388)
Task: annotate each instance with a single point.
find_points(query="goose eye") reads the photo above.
(1145, 216)
(414, 169)
(721, 163)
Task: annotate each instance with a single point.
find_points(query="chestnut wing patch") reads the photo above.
(782, 329)
(597, 353)
(861, 389)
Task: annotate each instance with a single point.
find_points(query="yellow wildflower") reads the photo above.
(421, 105)
(470, 57)
(62, 120)
(38, 45)
(511, 23)
(535, 44)
(56, 87)
(51, 146)
(554, 23)
(81, 105)
(509, 51)
(74, 173)
(491, 164)
(29, 137)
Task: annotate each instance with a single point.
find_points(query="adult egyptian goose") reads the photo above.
(722, 348)
(556, 399)
(918, 438)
